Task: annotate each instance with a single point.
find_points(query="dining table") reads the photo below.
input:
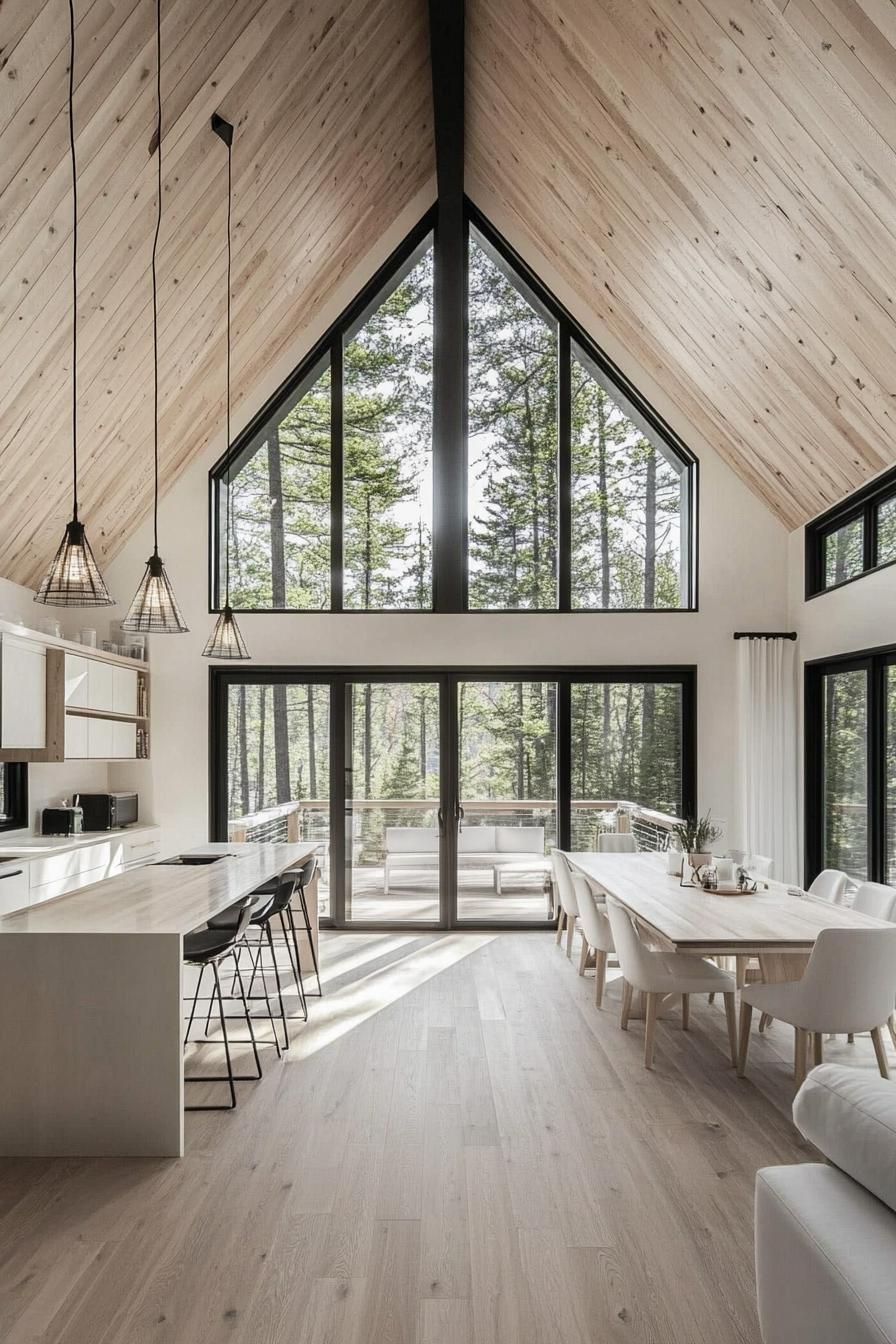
(776, 924)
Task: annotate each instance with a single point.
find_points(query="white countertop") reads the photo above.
(39, 846)
(160, 899)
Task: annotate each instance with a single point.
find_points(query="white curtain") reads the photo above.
(768, 818)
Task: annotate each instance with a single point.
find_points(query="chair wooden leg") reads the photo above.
(800, 1050)
(570, 934)
(650, 1016)
(732, 1027)
(685, 1011)
(626, 1005)
(561, 920)
(740, 964)
(746, 1016)
(892, 1025)
(583, 955)
(880, 1051)
(765, 1020)
(817, 1049)
(600, 977)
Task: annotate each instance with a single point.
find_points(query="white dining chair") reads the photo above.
(616, 842)
(655, 974)
(848, 986)
(567, 905)
(760, 865)
(830, 885)
(597, 936)
(873, 898)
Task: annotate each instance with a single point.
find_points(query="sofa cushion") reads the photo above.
(824, 1259)
(476, 840)
(411, 839)
(850, 1116)
(520, 839)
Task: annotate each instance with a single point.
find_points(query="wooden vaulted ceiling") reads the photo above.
(715, 179)
(332, 105)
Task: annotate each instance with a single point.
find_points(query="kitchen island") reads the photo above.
(91, 1004)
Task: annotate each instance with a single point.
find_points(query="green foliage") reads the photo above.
(696, 835)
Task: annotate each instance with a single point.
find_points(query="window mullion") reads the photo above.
(337, 485)
(564, 469)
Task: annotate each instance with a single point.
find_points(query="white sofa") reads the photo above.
(826, 1235)
(501, 848)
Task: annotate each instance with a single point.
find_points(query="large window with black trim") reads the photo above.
(578, 497)
(13, 797)
(851, 765)
(856, 536)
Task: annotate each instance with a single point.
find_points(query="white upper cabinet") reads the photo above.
(23, 694)
(124, 691)
(76, 680)
(100, 685)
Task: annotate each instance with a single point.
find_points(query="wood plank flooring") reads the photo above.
(458, 1149)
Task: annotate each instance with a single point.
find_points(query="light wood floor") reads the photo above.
(458, 1148)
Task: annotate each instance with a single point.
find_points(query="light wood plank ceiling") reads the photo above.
(332, 105)
(717, 180)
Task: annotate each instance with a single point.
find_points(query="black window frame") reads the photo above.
(874, 662)
(222, 677)
(16, 793)
(862, 505)
(450, 563)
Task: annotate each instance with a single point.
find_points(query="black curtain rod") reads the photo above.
(765, 634)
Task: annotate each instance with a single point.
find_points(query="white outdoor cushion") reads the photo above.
(825, 1250)
(411, 839)
(520, 839)
(850, 1116)
(476, 840)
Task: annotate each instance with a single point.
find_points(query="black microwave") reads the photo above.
(108, 811)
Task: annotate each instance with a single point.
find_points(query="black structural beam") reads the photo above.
(446, 35)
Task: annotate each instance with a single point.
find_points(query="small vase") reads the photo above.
(674, 858)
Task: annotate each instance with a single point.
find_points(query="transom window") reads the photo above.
(857, 536)
(578, 497)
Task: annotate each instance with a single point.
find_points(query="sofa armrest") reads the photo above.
(850, 1116)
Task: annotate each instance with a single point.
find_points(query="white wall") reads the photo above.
(860, 615)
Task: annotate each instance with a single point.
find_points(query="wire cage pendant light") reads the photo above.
(74, 578)
(154, 609)
(226, 639)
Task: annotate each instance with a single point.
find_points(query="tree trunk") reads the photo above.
(262, 709)
(281, 745)
(520, 753)
(312, 745)
(243, 753)
(275, 492)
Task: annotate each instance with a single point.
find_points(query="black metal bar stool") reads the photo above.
(209, 947)
(305, 877)
(274, 898)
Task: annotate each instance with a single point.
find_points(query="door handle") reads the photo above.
(17, 873)
(441, 816)
(459, 817)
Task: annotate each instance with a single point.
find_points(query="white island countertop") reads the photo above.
(161, 898)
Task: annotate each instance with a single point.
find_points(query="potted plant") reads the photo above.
(695, 837)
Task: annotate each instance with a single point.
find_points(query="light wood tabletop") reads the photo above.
(688, 919)
(162, 898)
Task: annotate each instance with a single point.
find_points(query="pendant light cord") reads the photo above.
(229, 250)
(155, 296)
(71, 137)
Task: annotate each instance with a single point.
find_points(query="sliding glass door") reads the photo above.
(851, 766)
(507, 816)
(436, 796)
(393, 856)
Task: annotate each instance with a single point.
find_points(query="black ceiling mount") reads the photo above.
(223, 129)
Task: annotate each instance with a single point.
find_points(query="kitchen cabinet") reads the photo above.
(76, 669)
(23, 694)
(76, 737)
(13, 888)
(124, 691)
(100, 685)
(124, 741)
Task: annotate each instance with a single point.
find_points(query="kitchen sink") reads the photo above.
(190, 860)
